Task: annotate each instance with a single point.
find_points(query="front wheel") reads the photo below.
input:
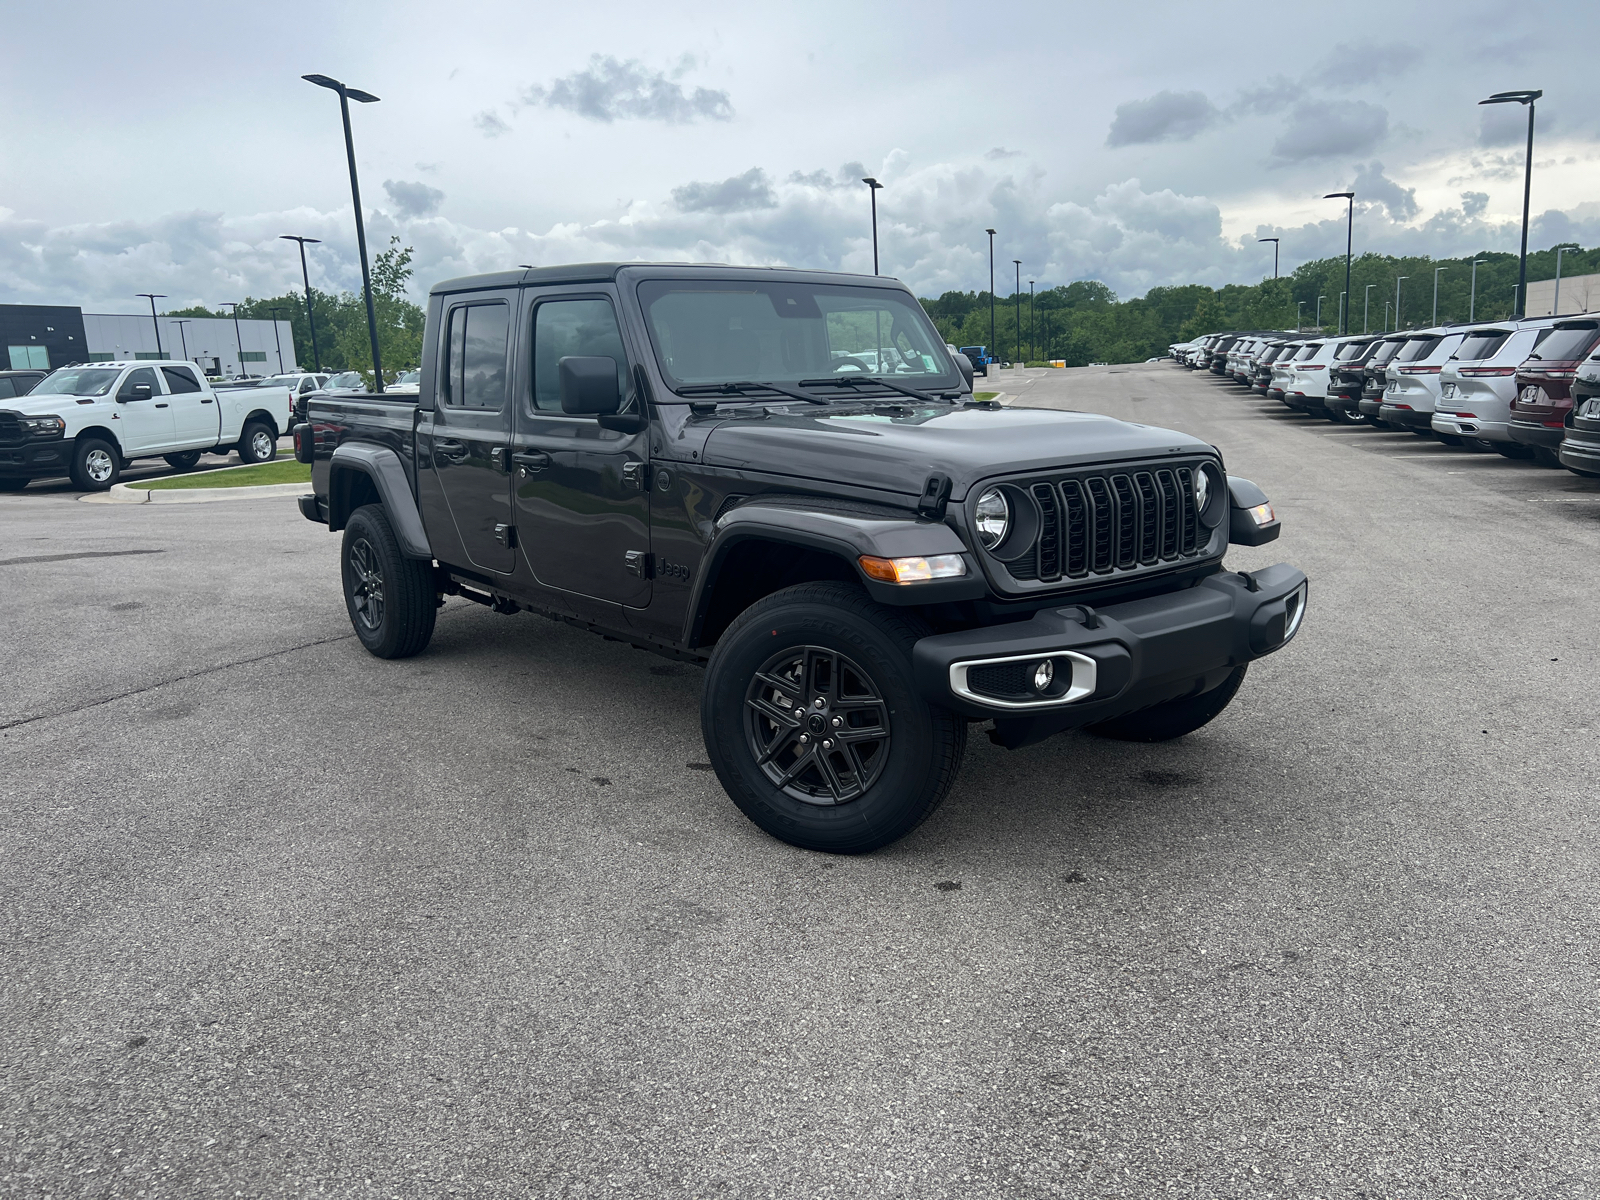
(96, 465)
(390, 597)
(258, 443)
(1175, 718)
(816, 727)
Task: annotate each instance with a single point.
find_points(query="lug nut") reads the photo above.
(837, 721)
(804, 738)
(820, 702)
(799, 712)
(827, 743)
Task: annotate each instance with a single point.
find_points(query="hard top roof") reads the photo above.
(607, 272)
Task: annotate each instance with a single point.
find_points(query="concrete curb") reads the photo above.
(121, 493)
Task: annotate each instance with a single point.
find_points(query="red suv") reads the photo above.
(1544, 387)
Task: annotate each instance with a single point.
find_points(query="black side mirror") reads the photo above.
(965, 365)
(589, 385)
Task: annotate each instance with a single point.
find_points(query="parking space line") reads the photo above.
(1564, 500)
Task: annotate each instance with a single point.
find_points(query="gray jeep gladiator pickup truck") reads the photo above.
(718, 464)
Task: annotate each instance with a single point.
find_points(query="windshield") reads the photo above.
(715, 332)
(410, 377)
(1418, 349)
(78, 381)
(1563, 343)
(347, 379)
(1481, 345)
(279, 381)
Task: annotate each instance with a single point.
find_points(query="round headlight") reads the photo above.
(993, 518)
(1202, 489)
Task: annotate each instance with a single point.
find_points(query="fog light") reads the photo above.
(913, 570)
(1262, 514)
(1043, 674)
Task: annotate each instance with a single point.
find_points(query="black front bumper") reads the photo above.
(1123, 658)
(35, 459)
(1532, 433)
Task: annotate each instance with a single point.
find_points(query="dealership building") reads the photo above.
(53, 335)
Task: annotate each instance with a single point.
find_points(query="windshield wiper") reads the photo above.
(745, 388)
(857, 380)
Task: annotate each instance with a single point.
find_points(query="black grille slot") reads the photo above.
(1149, 518)
(1100, 508)
(1169, 513)
(10, 429)
(1049, 532)
(1190, 528)
(1077, 522)
(1004, 681)
(1127, 521)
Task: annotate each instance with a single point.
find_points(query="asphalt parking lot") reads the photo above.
(282, 919)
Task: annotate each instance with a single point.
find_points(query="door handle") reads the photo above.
(161, 406)
(450, 451)
(531, 460)
(206, 400)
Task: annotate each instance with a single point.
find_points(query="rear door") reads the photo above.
(581, 492)
(469, 441)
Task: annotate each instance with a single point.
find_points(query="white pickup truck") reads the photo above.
(89, 422)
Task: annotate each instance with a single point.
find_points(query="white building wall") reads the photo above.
(1579, 294)
(208, 341)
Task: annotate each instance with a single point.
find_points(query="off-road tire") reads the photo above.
(390, 597)
(257, 443)
(883, 798)
(1174, 718)
(185, 461)
(96, 465)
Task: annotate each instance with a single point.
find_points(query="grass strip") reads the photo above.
(283, 470)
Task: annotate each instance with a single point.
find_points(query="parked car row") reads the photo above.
(1526, 388)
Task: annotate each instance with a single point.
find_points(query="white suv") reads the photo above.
(1478, 384)
(1283, 366)
(1413, 389)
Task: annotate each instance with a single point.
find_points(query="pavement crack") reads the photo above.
(160, 683)
(43, 558)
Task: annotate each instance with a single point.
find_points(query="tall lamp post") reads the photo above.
(1436, 271)
(872, 186)
(237, 340)
(1274, 242)
(1386, 317)
(1320, 299)
(153, 297)
(1349, 235)
(1033, 324)
(1344, 303)
(277, 338)
(1472, 302)
(1521, 97)
(347, 94)
(182, 337)
(316, 354)
(1366, 303)
(1555, 308)
(1300, 315)
(1018, 261)
(990, 232)
(1398, 280)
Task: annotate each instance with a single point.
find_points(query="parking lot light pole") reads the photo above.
(277, 338)
(1343, 298)
(1522, 97)
(153, 297)
(1018, 261)
(1472, 302)
(1300, 315)
(1436, 271)
(990, 232)
(1399, 279)
(182, 337)
(1320, 299)
(316, 354)
(1366, 302)
(1274, 242)
(1516, 290)
(1033, 325)
(1349, 237)
(238, 341)
(872, 186)
(1386, 317)
(347, 94)
(1555, 308)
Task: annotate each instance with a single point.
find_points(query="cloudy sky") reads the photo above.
(164, 147)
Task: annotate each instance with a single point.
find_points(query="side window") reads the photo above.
(475, 356)
(7, 390)
(180, 380)
(142, 375)
(580, 328)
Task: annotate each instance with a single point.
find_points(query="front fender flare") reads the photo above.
(381, 465)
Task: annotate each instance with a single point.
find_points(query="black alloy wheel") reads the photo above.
(366, 585)
(817, 725)
(391, 598)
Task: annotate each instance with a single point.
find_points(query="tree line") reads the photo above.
(1084, 322)
(343, 343)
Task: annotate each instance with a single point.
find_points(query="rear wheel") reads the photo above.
(1174, 718)
(258, 443)
(1546, 457)
(390, 598)
(815, 725)
(1513, 450)
(185, 461)
(1451, 439)
(96, 465)
(1345, 416)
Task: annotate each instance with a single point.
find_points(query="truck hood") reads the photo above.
(57, 402)
(896, 447)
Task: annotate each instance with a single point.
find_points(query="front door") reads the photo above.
(581, 492)
(144, 422)
(194, 410)
(471, 430)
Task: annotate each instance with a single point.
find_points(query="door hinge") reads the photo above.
(641, 563)
(636, 475)
(506, 535)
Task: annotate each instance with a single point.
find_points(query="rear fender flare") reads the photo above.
(382, 466)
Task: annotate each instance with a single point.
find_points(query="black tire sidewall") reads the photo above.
(80, 475)
(247, 452)
(909, 785)
(369, 524)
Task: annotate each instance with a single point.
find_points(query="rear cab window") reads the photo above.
(180, 380)
(477, 338)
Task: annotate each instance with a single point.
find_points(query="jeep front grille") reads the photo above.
(1103, 523)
